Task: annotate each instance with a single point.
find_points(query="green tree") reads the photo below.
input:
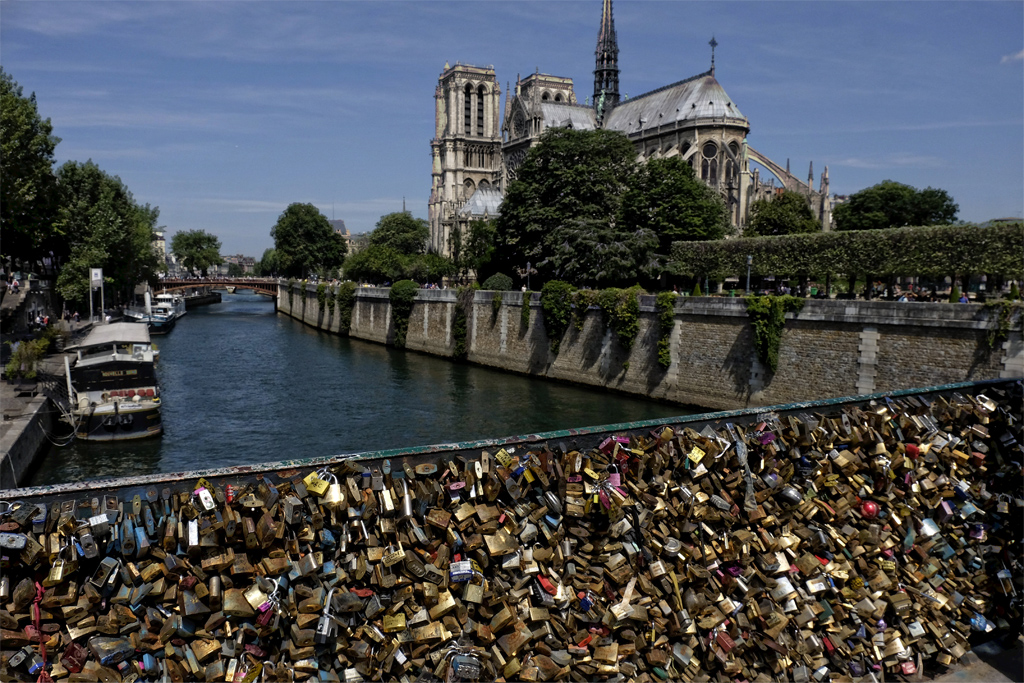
(197, 250)
(375, 264)
(104, 228)
(785, 214)
(474, 250)
(305, 242)
(561, 212)
(666, 197)
(895, 205)
(267, 265)
(235, 270)
(27, 181)
(401, 232)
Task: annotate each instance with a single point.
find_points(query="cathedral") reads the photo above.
(478, 147)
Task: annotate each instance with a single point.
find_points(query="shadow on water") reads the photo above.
(241, 384)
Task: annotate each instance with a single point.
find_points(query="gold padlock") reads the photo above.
(315, 484)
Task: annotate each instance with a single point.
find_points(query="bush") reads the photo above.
(1014, 292)
(954, 294)
(321, 297)
(24, 358)
(696, 290)
(621, 308)
(402, 295)
(499, 282)
(556, 303)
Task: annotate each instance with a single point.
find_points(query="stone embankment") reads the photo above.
(828, 349)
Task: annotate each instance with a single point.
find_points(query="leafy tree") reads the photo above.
(785, 214)
(560, 214)
(235, 270)
(267, 265)
(428, 268)
(305, 242)
(103, 227)
(27, 182)
(895, 205)
(474, 250)
(375, 264)
(197, 250)
(666, 197)
(401, 232)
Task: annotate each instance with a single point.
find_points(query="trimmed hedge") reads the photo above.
(928, 251)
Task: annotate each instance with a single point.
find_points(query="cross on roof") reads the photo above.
(713, 43)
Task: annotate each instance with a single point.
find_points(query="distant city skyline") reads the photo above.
(222, 114)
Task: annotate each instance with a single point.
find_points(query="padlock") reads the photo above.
(326, 627)
(334, 498)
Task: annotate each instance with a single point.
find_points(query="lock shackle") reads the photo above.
(327, 603)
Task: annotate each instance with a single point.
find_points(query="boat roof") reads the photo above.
(115, 333)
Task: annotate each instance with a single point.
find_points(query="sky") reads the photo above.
(224, 113)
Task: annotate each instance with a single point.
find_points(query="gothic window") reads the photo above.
(468, 111)
(484, 183)
(465, 157)
(558, 97)
(467, 188)
(480, 158)
(714, 172)
(480, 112)
(710, 150)
(704, 168)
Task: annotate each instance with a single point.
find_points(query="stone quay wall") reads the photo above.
(829, 349)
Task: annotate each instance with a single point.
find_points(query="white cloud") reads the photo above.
(902, 160)
(1012, 58)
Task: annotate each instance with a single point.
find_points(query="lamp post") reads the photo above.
(527, 274)
(750, 260)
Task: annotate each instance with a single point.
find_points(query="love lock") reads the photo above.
(327, 627)
(334, 499)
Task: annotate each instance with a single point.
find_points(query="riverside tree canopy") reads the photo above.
(787, 213)
(396, 251)
(305, 243)
(582, 210)
(196, 249)
(103, 227)
(27, 183)
(895, 205)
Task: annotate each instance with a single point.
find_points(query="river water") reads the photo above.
(241, 384)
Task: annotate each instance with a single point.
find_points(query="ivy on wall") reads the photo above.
(291, 292)
(321, 297)
(768, 316)
(402, 295)
(665, 305)
(1004, 314)
(346, 300)
(460, 325)
(524, 311)
(556, 303)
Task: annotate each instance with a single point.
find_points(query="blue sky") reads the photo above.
(223, 113)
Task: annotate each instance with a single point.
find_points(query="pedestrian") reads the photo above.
(964, 299)
(15, 285)
(77, 317)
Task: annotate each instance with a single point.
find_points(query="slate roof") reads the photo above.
(563, 115)
(486, 200)
(698, 97)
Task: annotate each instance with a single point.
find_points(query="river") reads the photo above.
(241, 385)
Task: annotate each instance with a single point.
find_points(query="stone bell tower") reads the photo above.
(466, 149)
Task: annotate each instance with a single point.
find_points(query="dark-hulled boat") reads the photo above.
(113, 385)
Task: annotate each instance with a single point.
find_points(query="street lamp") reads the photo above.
(527, 274)
(750, 260)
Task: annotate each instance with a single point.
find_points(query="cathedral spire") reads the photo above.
(606, 60)
(713, 43)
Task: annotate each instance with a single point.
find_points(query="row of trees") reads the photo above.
(63, 222)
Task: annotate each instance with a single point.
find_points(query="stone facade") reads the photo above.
(829, 349)
(693, 118)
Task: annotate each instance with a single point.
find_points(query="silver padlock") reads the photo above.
(326, 628)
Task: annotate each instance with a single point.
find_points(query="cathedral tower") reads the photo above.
(606, 62)
(466, 149)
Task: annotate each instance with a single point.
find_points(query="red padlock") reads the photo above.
(869, 509)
